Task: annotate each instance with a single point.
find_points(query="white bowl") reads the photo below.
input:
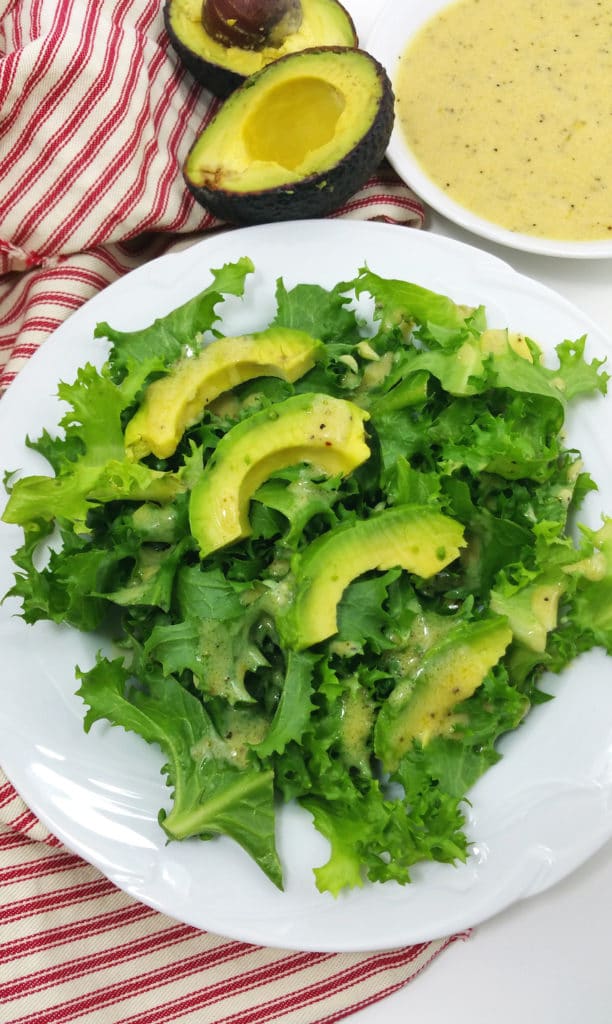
(391, 34)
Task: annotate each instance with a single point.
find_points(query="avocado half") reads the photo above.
(296, 139)
(223, 68)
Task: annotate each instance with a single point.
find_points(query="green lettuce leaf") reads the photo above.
(135, 355)
(210, 796)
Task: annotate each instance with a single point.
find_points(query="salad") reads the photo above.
(335, 558)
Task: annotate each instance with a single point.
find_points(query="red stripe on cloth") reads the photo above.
(114, 955)
(55, 899)
(38, 75)
(68, 83)
(7, 793)
(163, 185)
(142, 182)
(273, 1010)
(53, 841)
(57, 282)
(320, 990)
(164, 189)
(8, 73)
(42, 324)
(15, 38)
(125, 155)
(24, 821)
(388, 990)
(52, 864)
(75, 931)
(36, 18)
(9, 342)
(50, 98)
(197, 1000)
(380, 199)
(12, 841)
(110, 173)
(57, 298)
(96, 1000)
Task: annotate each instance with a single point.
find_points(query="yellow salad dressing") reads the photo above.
(507, 106)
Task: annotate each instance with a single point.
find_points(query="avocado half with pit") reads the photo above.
(296, 140)
(223, 68)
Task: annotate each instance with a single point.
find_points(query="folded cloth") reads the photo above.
(96, 118)
(73, 948)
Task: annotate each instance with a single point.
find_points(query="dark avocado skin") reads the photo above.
(318, 194)
(217, 79)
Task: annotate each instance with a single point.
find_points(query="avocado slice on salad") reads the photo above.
(419, 539)
(532, 611)
(498, 340)
(221, 68)
(296, 140)
(326, 432)
(177, 401)
(422, 705)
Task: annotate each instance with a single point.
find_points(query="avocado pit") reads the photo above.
(251, 24)
(224, 42)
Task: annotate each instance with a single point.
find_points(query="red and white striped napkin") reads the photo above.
(73, 948)
(96, 118)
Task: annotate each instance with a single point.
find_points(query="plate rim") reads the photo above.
(461, 250)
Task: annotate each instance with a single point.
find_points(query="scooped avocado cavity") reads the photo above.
(296, 140)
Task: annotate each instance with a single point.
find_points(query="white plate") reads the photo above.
(537, 815)
(391, 33)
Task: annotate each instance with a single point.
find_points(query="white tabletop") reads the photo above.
(545, 960)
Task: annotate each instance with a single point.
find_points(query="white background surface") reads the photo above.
(547, 960)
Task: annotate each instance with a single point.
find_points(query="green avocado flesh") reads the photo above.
(296, 140)
(178, 400)
(416, 538)
(532, 612)
(222, 68)
(326, 432)
(422, 705)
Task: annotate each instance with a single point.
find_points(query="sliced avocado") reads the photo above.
(415, 537)
(223, 68)
(532, 611)
(178, 400)
(324, 431)
(421, 705)
(296, 140)
(497, 341)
